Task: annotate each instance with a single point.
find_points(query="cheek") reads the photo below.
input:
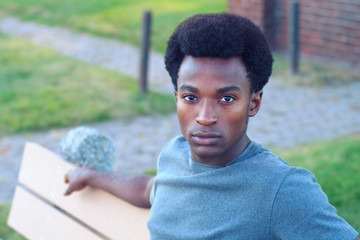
(183, 115)
(235, 121)
(236, 115)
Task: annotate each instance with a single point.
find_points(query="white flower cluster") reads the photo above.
(88, 146)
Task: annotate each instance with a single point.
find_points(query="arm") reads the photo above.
(134, 189)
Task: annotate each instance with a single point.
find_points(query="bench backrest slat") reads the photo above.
(42, 172)
(36, 219)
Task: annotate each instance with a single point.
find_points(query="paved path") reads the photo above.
(289, 115)
(106, 53)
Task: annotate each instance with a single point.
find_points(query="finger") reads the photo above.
(68, 191)
(66, 178)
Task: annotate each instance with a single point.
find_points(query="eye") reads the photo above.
(189, 98)
(227, 99)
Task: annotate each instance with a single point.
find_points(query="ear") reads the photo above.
(255, 102)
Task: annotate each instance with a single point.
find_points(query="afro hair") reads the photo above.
(221, 35)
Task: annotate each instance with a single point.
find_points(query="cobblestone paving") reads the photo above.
(289, 115)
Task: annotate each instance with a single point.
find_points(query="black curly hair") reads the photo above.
(221, 35)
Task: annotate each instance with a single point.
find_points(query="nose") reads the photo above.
(207, 114)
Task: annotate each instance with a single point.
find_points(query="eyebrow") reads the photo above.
(189, 88)
(228, 89)
(220, 90)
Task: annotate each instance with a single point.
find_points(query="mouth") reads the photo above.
(205, 139)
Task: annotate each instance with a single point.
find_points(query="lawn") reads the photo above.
(40, 89)
(6, 233)
(112, 18)
(335, 163)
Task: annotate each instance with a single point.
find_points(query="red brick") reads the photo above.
(326, 27)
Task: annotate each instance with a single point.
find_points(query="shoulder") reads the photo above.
(263, 163)
(301, 208)
(297, 185)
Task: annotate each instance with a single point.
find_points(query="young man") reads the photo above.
(213, 182)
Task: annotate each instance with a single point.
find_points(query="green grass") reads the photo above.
(40, 89)
(112, 18)
(336, 165)
(6, 233)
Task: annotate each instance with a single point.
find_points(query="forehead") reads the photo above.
(212, 70)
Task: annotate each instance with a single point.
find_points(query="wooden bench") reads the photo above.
(40, 210)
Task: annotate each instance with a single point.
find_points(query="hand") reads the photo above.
(77, 178)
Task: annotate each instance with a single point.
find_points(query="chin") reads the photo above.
(206, 152)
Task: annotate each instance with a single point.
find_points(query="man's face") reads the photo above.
(213, 104)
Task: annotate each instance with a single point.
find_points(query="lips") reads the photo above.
(206, 139)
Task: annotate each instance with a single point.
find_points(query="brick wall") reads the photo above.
(261, 12)
(246, 8)
(329, 29)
